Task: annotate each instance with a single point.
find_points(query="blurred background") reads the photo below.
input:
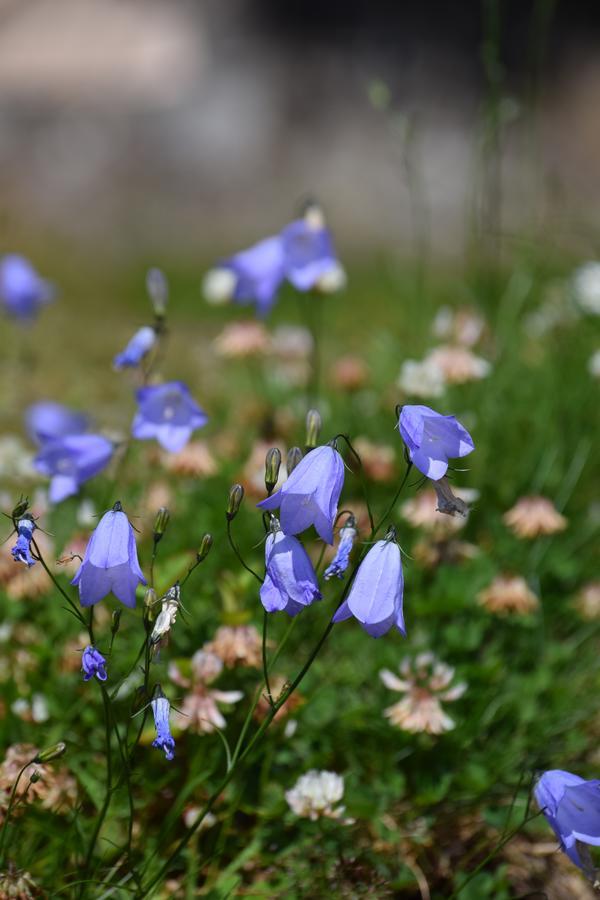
(155, 127)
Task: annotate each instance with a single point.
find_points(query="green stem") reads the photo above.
(390, 508)
(9, 808)
(108, 794)
(264, 656)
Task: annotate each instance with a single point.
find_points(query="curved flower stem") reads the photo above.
(390, 508)
(361, 476)
(76, 611)
(235, 549)
(10, 806)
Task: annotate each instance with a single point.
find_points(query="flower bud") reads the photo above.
(313, 428)
(236, 495)
(292, 459)
(150, 600)
(160, 523)
(272, 464)
(21, 508)
(116, 621)
(204, 549)
(50, 753)
(158, 291)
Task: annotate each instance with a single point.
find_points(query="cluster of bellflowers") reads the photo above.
(302, 253)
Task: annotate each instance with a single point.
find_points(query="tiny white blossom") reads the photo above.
(421, 378)
(316, 794)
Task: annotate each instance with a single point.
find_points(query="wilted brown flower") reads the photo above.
(199, 711)
(588, 600)
(350, 373)
(242, 339)
(16, 884)
(457, 364)
(421, 511)
(239, 645)
(426, 683)
(531, 517)
(508, 593)
(194, 460)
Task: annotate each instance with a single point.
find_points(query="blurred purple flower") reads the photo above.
(431, 439)
(572, 808)
(251, 276)
(48, 420)
(71, 460)
(168, 413)
(110, 563)
(290, 582)
(21, 552)
(375, 598)
(21, 289)
(340, 561)
(93, 663)
(164, 739)
(308, 253)
(140, 344)
(311, 493)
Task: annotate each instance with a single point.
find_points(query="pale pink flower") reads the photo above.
(199, 710)
(55, 788)
(588, 600)
(426, 682)
(507, 594)
(531, 517)
(462, 326)
(242, 339)
(350, 373)
(458, 364)
(239, 645)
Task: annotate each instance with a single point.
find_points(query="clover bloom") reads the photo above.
(251, 276)
(47, 420)
(21, 552)
(340, 561)
(138, 347)
(431, 439)
(572, 807)
(164, 739)
(290, 583)
(110, 563)
(375, 598)
(93, 664)
(71, 460)
(311, 493)
(168, 413)
(22, 290)
(316, 794)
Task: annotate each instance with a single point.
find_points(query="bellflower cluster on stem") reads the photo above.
(572, 807)
(432, 439)
(138, 347)
(22, 290)
(110, 563)
(93, 664)
(21, 552)
(290, 582)
(168, 413)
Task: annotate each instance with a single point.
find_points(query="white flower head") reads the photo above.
(421, 378)
(316, 794)
(218, 286)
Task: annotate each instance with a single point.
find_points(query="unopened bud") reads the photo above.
(160, 523)
(50, 753)
(236, 495)
(158, 291)
(313, 428)
(116, 621)
(21, 508)
(272, 464)
(150, 600)
(293, 457)
(204, 548)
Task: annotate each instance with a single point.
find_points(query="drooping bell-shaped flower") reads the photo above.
(432, 439)
(311, 493)
(572, 807)
(93, 664)
(47, 420)
(164, 740)
(138, 347)
(71, 460)
(169, 413)
(22, 290)
(290, 582)
(251, 276)
(110, 563)
(375, 598)
(309, 255)
(21, 552)
(340, 561)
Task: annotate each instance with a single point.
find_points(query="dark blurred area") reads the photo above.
(147, 126)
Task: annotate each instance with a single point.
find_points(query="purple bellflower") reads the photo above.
(431, 439)
(311, 493)
(168, 413)
(110, 563)
(21, 552)
(164, 739)
(138, 347)
(71, 460)
(375, 598)
(572, 808)
(251, 276)
(48, 420)
(21, 289)
(309, 255)
(290, 582)
(339, 563)
(93, 664)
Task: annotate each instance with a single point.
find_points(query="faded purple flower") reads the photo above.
(251, 276)
(22, 290)
(71, 460)
(168, 413)
(138, 347)
(431, 439)
(48, 420)
(308, 252)
(290, 583)
(311, 493)
(164, 739)
(93, 664)
(375, 598)
(340, 561)
(21, 552)
(572, 808)
(110, 563)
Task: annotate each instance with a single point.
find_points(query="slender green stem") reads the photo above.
(58, 586)
(264, 656)
(108, 794)
(390, 508)
(9, 808)
(235, 549)
(361, 477)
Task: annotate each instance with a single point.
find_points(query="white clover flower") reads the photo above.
(421, 378)
(586, 287)
(315, 794)
(218, 286)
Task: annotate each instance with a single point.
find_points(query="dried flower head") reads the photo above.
(421, 511)
(508, 594)
(426, 682)
(55, 788)
(236, 646)
(531, 517)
